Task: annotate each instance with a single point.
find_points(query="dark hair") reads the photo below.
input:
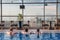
(37, 30)
(11, 29)
(26, 30)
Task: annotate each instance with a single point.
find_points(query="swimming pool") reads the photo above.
(20, 36)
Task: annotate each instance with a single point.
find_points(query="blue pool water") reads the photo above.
(20, 36)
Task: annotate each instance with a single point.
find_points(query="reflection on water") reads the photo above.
(1, 36)
(37, 35)
(20, 36)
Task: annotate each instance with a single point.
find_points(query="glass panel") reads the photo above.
(11, 9)
(50, 9)
(40, 18)
(33, 0)
(33, 9)
(0, 1)
(50, 0)
(50, 18)
(39, 21)
(10, 19)
(0, 12)
(59, 10)
(58, 0)
(58, 16)
(32, 20)
(29, 18)
(11, 1)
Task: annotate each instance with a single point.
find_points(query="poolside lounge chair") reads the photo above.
(2, 23)
(26, 25)
(45, 26)
(57, 26)
(13, 24)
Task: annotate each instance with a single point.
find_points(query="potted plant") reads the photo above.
(20, 18)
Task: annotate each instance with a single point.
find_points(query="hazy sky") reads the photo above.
(13, 9)
(37, 9)
(29, 9)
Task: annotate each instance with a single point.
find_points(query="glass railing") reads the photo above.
(33, 20)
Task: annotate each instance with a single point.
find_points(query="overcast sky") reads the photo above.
(29, 10)
(14, 9)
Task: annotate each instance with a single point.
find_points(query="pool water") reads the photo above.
(20, 36)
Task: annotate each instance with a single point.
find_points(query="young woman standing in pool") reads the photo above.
(38, 32)
(11, 31)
